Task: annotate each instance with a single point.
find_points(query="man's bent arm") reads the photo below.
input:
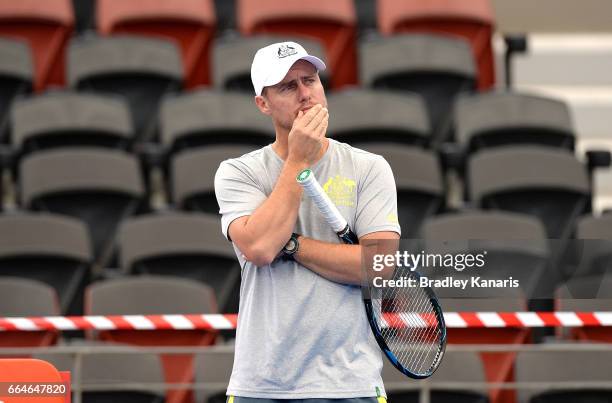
(341, 262)
(263, 234)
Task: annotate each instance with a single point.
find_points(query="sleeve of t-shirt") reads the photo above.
(377, 200)
(238, 192)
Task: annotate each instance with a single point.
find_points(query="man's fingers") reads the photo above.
(310, 114)
(297, 119)
(322, 127)
(314, 123)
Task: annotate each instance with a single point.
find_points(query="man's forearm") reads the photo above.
(336, 262)
(271, 224)
(343, 263)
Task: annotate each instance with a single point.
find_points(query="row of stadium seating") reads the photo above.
(58, 251)
(474, 121)
(145, 70)
(61, 252)
(191, 23)
(519, 178)
(543, 366)
(225, 13)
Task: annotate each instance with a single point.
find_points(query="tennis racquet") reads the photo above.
(407, 322)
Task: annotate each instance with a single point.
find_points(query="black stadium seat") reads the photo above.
(548, 183)
(98, 186)
(48, 248)
(151, 295)
(436, 67)
(594, 239)
(16, 76)
(516, 246)
(41, 299)
(188, 245)
(196, 192)
(418, 178)
(142, 70)
(64, 119)
(503, 118)
(202, 118)
(364, 115)
(586, 294)
(22, 297)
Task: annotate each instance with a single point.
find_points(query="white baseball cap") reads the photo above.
(271, 63)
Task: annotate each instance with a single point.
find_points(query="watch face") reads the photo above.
(290, 245)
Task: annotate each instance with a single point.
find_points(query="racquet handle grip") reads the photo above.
(329, 210)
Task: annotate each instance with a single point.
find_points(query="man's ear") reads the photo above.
(262, 104)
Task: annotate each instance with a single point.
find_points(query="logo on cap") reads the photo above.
(285, 50)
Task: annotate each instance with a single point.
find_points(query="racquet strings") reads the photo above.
(408, 322)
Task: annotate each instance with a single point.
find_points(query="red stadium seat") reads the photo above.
(331, 22)
(472, 20)
(191, 23)
(46, 26)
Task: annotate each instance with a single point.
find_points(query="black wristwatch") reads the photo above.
(291, 247)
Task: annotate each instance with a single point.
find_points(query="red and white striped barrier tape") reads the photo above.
(121, 322)
(229, 321)
(505, 319)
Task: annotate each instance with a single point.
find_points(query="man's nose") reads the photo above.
(303, 91)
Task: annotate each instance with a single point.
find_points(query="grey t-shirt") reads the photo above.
(300, 335)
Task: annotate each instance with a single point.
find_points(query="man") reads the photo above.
(302, 330)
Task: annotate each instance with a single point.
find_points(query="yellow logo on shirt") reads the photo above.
(341, 190)
(392, 218)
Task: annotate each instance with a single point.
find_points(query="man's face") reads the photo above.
(301, 89)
